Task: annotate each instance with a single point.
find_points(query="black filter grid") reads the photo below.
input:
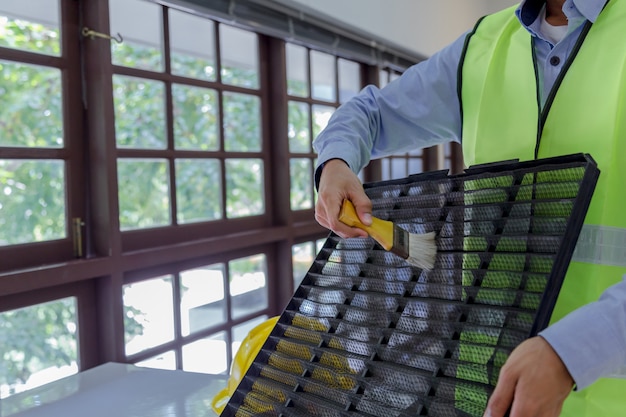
(367, 334)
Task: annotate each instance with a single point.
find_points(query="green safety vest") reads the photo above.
(502, 120)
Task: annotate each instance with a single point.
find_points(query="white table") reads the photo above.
(119, 390)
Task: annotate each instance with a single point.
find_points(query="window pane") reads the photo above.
(302, 257)
(299, 135)
(192, 44)
(39, 345)
(139, 113)
(383, 78)
(148, 314)
(196, 125)
(321, 115)
(198, 190)
(202, 303)
(248, 285)
(140, 23)
(323, 76)
(31, 112)
(349, 79)
(165, 360)
(301, 179)
(398, 168)
(208, 356)
(297, 65)
(30, 26)
(244, 187)
(241, 331)
(242, 123)
(240, 57)
(32, 201)
(415, 166)
(143, 193)
(385, 164)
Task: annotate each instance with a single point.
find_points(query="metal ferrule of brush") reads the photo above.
(400, 242)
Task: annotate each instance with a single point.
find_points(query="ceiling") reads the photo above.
(419, 26)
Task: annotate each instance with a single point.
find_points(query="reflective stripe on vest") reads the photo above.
(601, 245)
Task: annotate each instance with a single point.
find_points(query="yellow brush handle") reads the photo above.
(380, 230)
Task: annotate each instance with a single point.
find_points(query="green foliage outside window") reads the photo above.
(37, 337)
(33, 193)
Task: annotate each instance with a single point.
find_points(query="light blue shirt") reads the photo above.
(421, 109)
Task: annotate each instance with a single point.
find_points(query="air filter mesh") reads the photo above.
(367, 334)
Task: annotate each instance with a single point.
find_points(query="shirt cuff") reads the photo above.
(591, 340)
(318, 171)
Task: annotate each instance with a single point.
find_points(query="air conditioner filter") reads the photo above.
(367, 334)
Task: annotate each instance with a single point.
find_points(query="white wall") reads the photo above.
(422, 26)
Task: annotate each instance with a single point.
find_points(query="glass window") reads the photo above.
(248, 285)
(32, 110)
(242, 123)
(398, 168)
(240, 57)
(415, 166)
(31, 26)
(299, 131)
(321, 116)
(202, 298)
(196, 112)
(244, 187)
(198, 190)
(208, 355)
(323, 75)
(349, 79)
(192, 46)
(39, 345)
(383, 78)
(143, 193)
(302, 257)
(148, 314)
(297, 70)
(32, 201)
(143, 43)
(139, 113)
(301, 175)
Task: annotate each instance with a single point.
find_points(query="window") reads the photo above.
(317, 83)
(39, 339)
(39, 145)
(303, 255)
(156, 189)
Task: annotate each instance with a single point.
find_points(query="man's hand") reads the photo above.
(533, 382)
(337, 183)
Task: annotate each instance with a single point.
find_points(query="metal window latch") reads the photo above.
(77, 234)
(86, 32)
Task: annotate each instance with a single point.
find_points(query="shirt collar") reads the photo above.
(528, 10)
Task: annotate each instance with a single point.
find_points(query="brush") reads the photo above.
(419, 249)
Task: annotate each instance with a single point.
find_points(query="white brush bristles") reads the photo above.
(422, 250)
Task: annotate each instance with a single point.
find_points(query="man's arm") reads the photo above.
(583, 346)
(419, 109)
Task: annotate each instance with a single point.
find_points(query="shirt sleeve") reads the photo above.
(591, 340)
(417, 110)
